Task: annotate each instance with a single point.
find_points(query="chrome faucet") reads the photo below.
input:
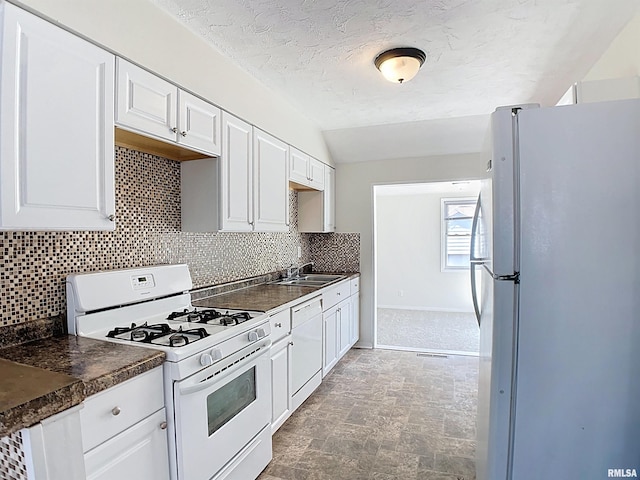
(295, 271)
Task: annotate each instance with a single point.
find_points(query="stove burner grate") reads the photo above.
(234, 318)
(210, 316)
(140, 333)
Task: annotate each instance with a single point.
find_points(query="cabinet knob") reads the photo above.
(163, 425)
(291, 343)
(115, 411)
(183, 133)
(111, 218)
(279, 325)
(174, 129)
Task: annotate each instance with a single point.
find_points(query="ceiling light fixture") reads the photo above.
(400, 65)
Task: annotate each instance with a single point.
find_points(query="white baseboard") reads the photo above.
(428, 350)
(425, 309)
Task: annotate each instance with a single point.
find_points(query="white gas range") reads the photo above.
(216, 375)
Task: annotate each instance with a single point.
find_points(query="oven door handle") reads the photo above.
(223, 366)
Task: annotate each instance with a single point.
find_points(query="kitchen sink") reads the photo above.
(311, 280)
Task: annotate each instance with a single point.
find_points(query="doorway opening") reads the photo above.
(421, 245)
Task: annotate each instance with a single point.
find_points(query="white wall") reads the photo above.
(408, 251)
(145, 34)
(622, 58)
(354, 213)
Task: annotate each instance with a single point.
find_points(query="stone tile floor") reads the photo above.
(383, 414)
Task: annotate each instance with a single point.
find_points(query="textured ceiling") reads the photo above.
(480, 53)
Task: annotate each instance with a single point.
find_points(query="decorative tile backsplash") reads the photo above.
(335, 252)
(35, 264)
(12, 458)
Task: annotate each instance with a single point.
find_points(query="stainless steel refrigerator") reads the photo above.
(556, 283)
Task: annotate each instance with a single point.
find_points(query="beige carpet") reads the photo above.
(427, 330)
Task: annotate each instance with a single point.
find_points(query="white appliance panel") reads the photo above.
(498, 300)
(577, 368)
(306, 352)
(204, 442)
(94, 291)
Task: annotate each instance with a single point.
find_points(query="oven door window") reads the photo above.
(230, 399)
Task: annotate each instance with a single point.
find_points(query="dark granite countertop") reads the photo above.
(43, 377)
(261, 298)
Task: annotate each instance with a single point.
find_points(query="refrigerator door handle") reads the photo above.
(474, 293)
(473, 261)
(514, 277)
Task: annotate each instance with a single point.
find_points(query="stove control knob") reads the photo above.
(216, 354)
(206, 360)
(253, 336)
(261, 333)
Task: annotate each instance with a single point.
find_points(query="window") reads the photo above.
(457, 216)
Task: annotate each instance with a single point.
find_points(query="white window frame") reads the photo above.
(443, 232)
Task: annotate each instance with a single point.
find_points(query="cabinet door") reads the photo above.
(236, 180)
(299, 167)
(199, 124)
(271, 186)
(330, 340)
(56, 133)
(329, 199)
(280, 382)
(316, 174)
(146, 103)
(139, 452)
(355, 319)
(344, 324)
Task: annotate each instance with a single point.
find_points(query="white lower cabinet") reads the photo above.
(344, 327)
(280, 368)
(124, 430)
(337, 334)
(355, 310)
(308, 340)
(53, 448)
(330, 340)
(280, 382)
(139, 452)
(336, 314)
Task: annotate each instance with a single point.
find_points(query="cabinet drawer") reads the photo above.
(140, 453)
(280, 325)
(305, 311)
(110, 412)
(355, 285)
(335, 295)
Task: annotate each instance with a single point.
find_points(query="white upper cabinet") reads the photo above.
(151, 106)
(316, 174)
(145, 102)
(329, 200)
(56, 134)
(317, 210)
(270, 185)
(245, 190)
(306, 171)
(236, 182)
(199, 123)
